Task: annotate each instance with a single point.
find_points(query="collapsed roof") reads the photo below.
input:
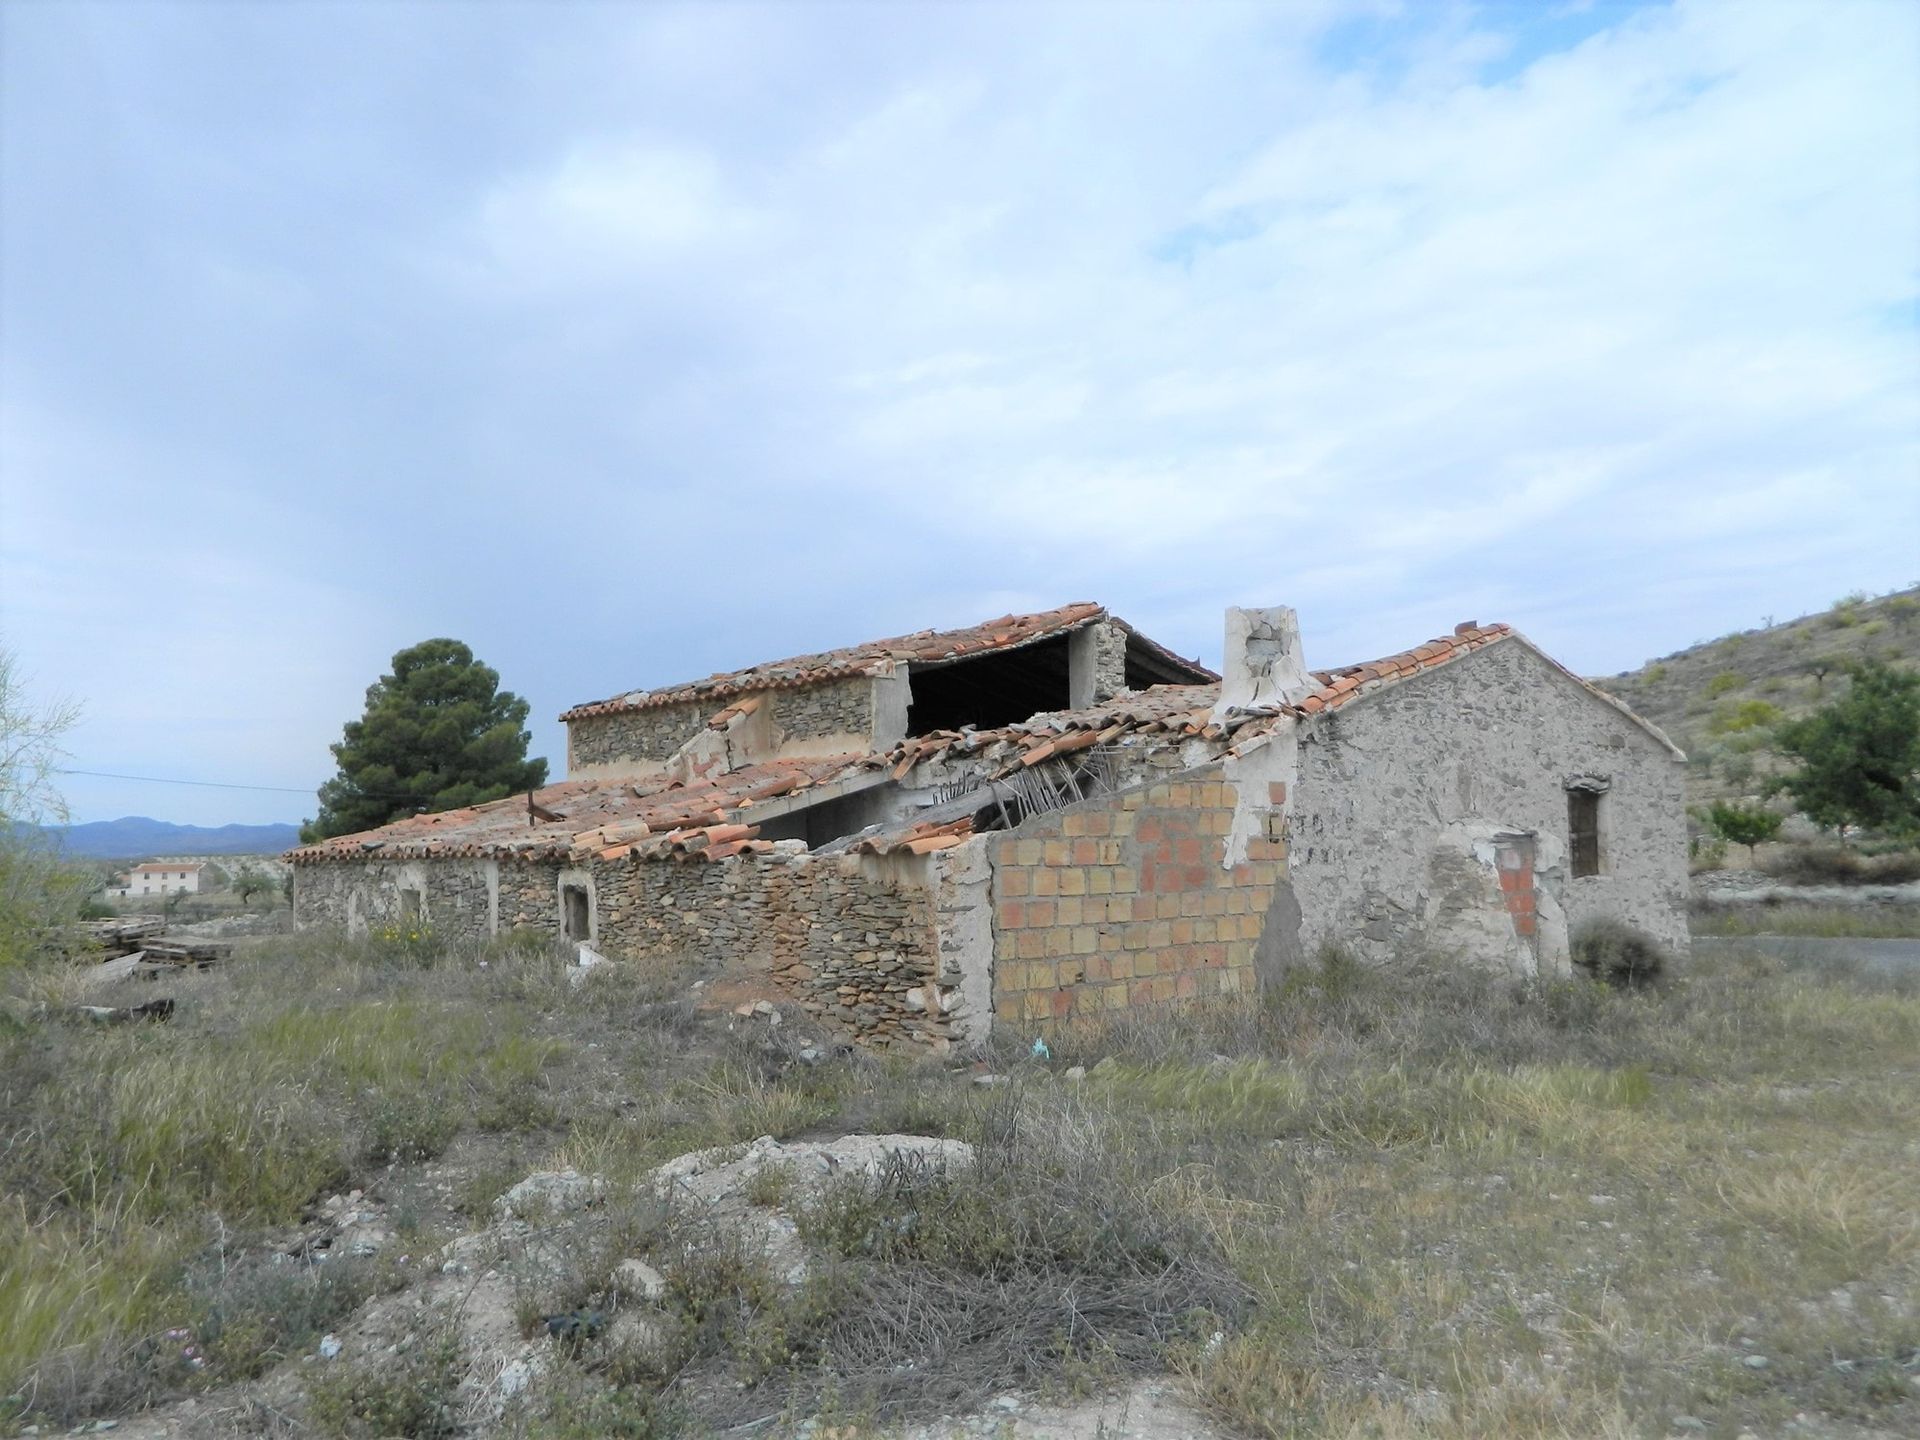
(719, 815)
(922, 650)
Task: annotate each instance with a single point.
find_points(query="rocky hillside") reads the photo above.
(1719, 699)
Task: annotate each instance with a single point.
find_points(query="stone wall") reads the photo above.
(633, 735)
(1126, 900)
(1109, 660)
(827, 713)
(851, 938)
(818, 712)
(1399, 791)
(460, 899)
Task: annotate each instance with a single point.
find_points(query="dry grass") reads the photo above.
(1369, 1204)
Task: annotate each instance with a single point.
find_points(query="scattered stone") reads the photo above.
(639, 1280)
(1076, 1073)
(989, 1080)
(550, 1192)
(812, 1055)
(329, 1346)
(1688, 1422)
(1756, 1362)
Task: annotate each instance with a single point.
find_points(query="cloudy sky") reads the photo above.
(631, 342)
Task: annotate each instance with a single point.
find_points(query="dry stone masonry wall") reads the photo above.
(653, 735)
(851, 938)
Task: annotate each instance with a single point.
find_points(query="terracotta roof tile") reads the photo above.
(653, 818)
(924, 647)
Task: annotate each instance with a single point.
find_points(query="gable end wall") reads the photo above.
(1491, 737)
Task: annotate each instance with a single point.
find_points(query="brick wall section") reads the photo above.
(1514, 859)
(1123, 902)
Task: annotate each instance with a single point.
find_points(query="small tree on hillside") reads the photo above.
(438, 733)
(1860, 756)
(1748, 825)
(249, 881)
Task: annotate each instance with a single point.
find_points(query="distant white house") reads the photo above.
(164, 877)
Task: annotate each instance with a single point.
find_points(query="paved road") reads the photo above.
(1888, 956)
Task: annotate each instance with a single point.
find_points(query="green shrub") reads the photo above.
(1618, 953)
(413, 1394)
(1723, 682)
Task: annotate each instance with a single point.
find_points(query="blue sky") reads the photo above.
(627, 343)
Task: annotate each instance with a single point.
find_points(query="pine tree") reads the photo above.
(438, 733)
(1860, 756)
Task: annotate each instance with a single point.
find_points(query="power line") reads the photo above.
(230, 785)
(207, 784)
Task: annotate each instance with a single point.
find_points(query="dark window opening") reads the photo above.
(1147, 666)
(1583, 831)
(412, 905)
(575, 912)
(990, 690)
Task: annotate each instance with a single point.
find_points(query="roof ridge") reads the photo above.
(867, 657)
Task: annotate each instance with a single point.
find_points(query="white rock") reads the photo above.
(639, 1279)
(550, 1192)
(329, 1346)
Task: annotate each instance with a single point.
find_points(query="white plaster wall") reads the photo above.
(1490, 738)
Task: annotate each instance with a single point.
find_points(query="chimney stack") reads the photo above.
(1262, 664)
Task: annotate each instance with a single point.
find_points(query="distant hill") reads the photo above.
(135, 837)
(1719, 698)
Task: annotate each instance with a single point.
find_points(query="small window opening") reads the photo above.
(1583, 831)
(575, 912)
(412, 906)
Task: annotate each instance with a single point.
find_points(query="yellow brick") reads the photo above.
(1252, 926)
(1126, 880)
(1046, 883)
(1059, 942)
(1157, 795)
(1120, 967)
(1100, 882)
(1073, 882)
(1163, 988)
(1007, 1008)
(1132, 802)
(1167, 906)
(1006, 945)
(1123, 823)
(1112, 852)
(1109, 941)
(1031, 945)
(1067, 910)
(1239, 952)
(1086, 940)
(1115, 997)
(1160, 934)
(1136, 937)
(1229, 982)
(1073, 826)
(1012, 882)
(1040, 975)
(1029, 852)
(1058, 852)
(1071, 972)
(1039, 1005)
(1204, 930)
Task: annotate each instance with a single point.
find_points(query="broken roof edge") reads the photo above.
(1199, 672)
(865, 659)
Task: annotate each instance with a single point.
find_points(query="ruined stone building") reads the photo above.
(1050, 816)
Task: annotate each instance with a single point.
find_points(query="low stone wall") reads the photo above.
(1124, 901)
(851, 938)
(461, 899)
(815, 712)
